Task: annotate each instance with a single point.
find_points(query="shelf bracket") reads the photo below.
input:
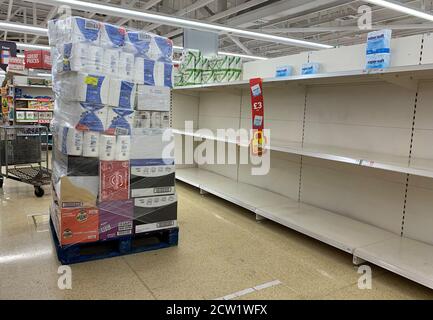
(404, 82)
(202, 192)
(260, 218)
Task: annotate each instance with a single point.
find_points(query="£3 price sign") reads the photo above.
(258, 114)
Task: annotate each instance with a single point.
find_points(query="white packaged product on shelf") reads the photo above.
(112, 36)
(165, 120)
(158, 73)
(155, 119)
(142, 119)
(153, 73)
(119, 121)
(82, 116)
(91, 144)
(91, 88)
(157, 142)
(77, 29)
(70, 141)
(122, 94)
(153, 98)
(96, 60)
(139, 70)
(111, 62)
(107, 147)
(123, 147)
(71, 57)
(126, 66)
(310, 68)
(138, 43)
(161, 49)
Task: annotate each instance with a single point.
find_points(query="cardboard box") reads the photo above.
(75, 165)
(37, 59)
(114, 177)
(152, 178)
(75, 225)
(115, 219)
(75, 191)
(155, 213)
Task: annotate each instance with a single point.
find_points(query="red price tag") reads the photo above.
(258, 116)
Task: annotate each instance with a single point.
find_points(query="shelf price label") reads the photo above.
(258, 116)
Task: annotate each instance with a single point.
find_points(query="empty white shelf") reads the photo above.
(331, 228)
(409, 258)
(328, 227)
(244, 195)
(419, 167)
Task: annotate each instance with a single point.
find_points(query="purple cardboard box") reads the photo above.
(115, 219)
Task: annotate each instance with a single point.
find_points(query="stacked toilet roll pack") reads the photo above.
(104, 77)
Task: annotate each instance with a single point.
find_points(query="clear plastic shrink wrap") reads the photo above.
(112, 100)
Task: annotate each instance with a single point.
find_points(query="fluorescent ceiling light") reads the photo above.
(401, 8)
(26, 46)
(150, 16)
(17, 27)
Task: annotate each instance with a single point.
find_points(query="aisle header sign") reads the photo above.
(8, 49)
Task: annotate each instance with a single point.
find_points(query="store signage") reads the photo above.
(8, 49)
(16, 64)
(258, 114)
(37, 59)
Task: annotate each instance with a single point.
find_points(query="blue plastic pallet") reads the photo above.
(82, 252)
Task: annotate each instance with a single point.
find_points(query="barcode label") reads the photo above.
(121, 131)
(162, 190)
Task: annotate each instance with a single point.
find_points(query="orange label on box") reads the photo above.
(79, 225)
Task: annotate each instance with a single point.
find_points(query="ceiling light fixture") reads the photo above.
(150, 16)
(17, 27)
(26, 46)
(401, 8)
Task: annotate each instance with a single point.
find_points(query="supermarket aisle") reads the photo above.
(222, 250)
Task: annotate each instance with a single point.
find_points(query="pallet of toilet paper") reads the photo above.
(88, 46)
(109, 177)
(128, 189)
(198, 69)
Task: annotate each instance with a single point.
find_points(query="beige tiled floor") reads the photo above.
(222, 250)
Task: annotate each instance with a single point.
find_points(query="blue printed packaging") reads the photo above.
(310, 68)
(122, 94)
(119, 121)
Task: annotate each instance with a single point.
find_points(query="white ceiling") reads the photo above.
(326, 21)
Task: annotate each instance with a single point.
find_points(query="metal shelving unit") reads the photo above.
(351, 162)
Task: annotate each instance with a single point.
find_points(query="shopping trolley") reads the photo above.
(24, 156)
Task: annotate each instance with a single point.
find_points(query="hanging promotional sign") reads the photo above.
(8, 49)
(38, 59)
(258, 116)
(16, 64)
